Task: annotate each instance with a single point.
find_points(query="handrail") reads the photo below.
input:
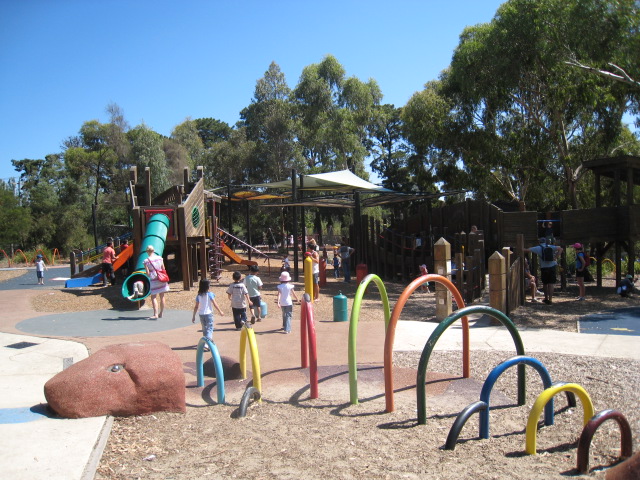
(253, 249)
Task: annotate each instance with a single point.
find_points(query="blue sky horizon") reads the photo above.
(161, 62)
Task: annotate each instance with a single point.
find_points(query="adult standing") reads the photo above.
(581, 269)
(152, 264)
(547, 254)
(345, 252)
(315, 259)
(108, 258)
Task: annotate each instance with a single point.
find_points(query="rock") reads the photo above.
(120, 380)
(627, 470)
(230, 368)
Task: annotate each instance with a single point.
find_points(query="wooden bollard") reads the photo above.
(498, 282)
(442, 266)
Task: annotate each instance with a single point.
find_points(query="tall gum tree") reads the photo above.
(509, 78)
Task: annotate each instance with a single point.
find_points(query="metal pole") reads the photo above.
(229, 225)
(248, 228)
(294, 222)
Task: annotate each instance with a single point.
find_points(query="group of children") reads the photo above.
(244, 294)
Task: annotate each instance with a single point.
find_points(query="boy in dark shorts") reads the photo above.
(254, 284)
(239, 297)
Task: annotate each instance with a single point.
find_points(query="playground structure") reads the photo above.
(193, 246)
(544, 402)
(192, 228)
(394, 251)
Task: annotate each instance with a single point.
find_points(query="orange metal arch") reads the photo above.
(391, 332)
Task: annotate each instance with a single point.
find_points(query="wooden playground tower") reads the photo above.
(193, 224)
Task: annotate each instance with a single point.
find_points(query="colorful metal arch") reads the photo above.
(461, 419)
(248, 336)
(217, 363)
(446, 323)
(541, 401)
(589, 430)
(353, 328)
(493, 376)
(391, 331)
(308, 343)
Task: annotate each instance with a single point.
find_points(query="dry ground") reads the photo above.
(289, 436)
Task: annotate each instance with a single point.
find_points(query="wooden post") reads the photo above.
(498, 282)
(72, 262)
(442, 266)
(204, 264)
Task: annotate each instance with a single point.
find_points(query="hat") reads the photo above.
(577, 245)
(285, 277)
(38, 256)
(630, 277)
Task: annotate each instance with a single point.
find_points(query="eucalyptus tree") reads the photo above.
(91, 162)
(269, 122)
(389, 149)
(518, 110)
(187, 135)
(15, 220)
(333, 114)
(147, 151)
(211, 131)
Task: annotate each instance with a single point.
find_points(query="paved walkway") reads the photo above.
(36, 445)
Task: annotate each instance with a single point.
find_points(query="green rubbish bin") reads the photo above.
(340, 308)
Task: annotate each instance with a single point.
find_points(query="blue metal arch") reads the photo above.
(217, 362)
(491, 379)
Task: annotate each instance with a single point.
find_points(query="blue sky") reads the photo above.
(62, 62)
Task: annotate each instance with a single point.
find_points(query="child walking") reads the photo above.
(239, 297)
(40, 268)
(336, 266)
(285, 292)
(205, 303)
(254, 284)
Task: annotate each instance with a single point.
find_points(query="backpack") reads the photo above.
(547, 253)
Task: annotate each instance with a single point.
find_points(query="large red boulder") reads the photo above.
(120, 380)
(627, 470)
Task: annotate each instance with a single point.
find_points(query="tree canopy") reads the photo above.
(527, 98)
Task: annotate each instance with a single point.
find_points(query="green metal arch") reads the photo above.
(435, 336)
(353, 328)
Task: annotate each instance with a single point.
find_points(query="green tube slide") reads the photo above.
(155, 235)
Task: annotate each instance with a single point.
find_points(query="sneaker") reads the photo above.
(580, 299)
(206, 348)
(538, 292)
(258, 319)
(535, 300)
(253, 320)
(547, 302)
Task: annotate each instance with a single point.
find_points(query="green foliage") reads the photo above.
(15, 220)
(510, 119)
